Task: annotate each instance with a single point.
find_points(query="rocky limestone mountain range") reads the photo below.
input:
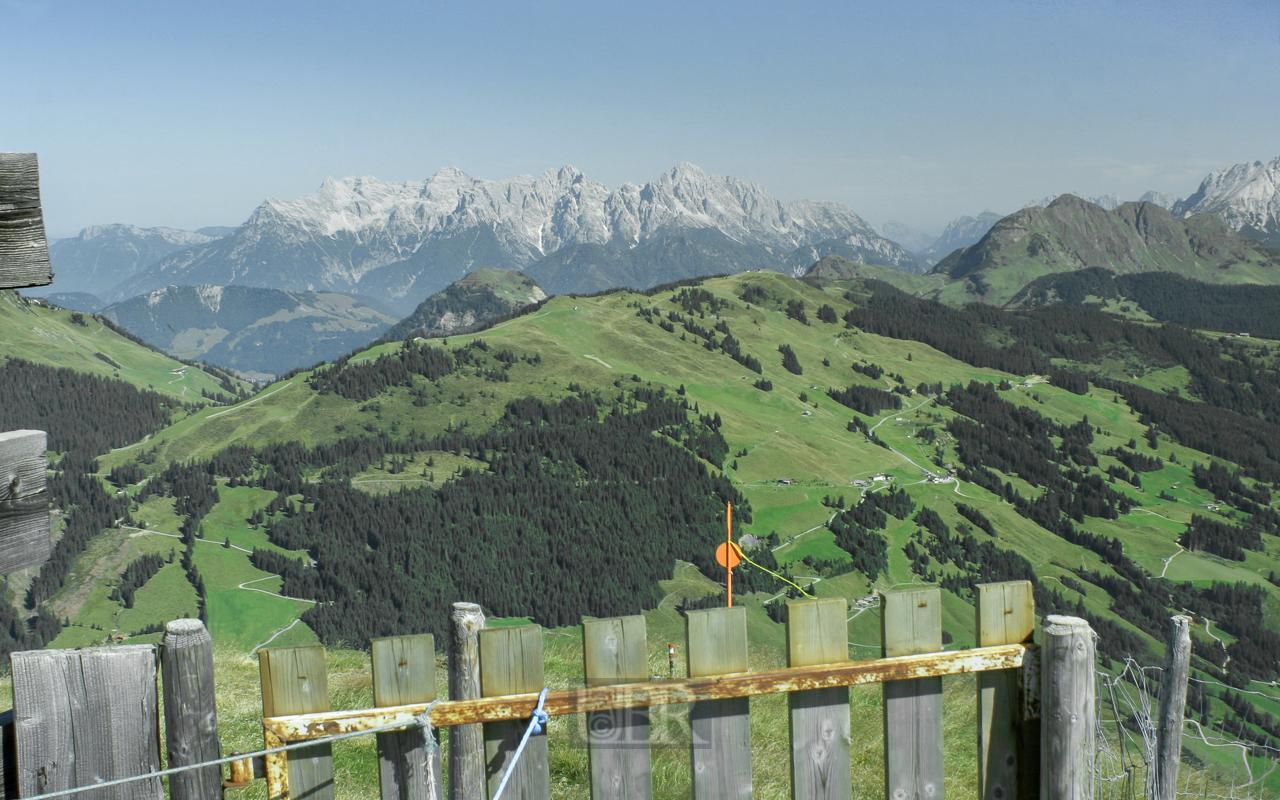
(1246, 196)
(404, 241)
(101, 256)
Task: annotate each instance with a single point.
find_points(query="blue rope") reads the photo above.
(536, 722)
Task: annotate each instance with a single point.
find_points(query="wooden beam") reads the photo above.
(24, 249)
(466, 742)
(615, 651)
(190, 710)
(1173, 703)
(1067, 715)
(24, 501)
(300, 727)
(511, 663)
(817, 634)
(911, 622)
(294, 680)
(1004, 613)
(87, 716)
(719, 730)
(404, 671)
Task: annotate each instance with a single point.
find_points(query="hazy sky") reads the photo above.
(190, 114)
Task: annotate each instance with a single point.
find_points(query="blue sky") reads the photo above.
(186, 114)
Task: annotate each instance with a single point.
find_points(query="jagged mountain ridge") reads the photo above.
(403, 241)
(258, 332)
(1246, 196)
(101, 256)
(960, 232)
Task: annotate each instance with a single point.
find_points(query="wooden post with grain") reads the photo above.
(1173, 701)
(404, 672)
(466, 742)
(817, 633)
(911, 623)
(719, 730)
(190, 712)
(1067, 716)
(616, 651)
(86, 716)
(511, 663)
(24, 501)
(294, 681)
(24, 250)
(1005, 614)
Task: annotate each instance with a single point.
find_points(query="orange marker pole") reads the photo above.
(728, 539)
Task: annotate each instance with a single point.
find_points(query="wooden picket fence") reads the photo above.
(83, 717)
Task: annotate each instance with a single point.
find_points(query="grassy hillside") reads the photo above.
(832, 456)
(82, 342)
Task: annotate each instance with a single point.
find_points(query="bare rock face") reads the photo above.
(1246, 196)
(402, 241)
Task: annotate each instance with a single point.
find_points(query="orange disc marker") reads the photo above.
(729, 555)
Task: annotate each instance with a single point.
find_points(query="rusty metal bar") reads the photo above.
(302, 727)
(277, 766)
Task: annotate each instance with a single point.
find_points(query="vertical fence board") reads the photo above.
(24, 250)
(190, 711)
(911, 624)
(24, 501)
(404, 672)
(817, 633)
(466, 742)
(294, 681)
(720, 730)
(616, 651)
(86, 716)
(8, 756)
(511, 663)
(1067, 716)
(1005, 614)
(1173, 701)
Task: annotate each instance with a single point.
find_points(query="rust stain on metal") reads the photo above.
(243, 772)
(302, 727)
(276, 766)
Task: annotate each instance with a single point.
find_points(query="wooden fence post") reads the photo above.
(86, 716)
(466, 742)
(24, 250)
(817, 633)
(511, 663)
(1173, 702)
(616, 651)
(720, 730)
(190, 710)
(294, 681)
(404, 672)
(8, 756)
(24, 501)
(1067, 717)
(1005, 614)
(911, 623)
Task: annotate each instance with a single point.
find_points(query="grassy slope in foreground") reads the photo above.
(48, 336)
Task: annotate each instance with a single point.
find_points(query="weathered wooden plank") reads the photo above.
(466, 742)
(911, 622)
(24, 501)
(1173, 702)
(511, 663)
(719, 730)
(615, 651)
(602, 698)
(295, 681)
(1005, 614)
(24, 249)
(1067, 717)
(817, 634)
(86, 716)
(190, 709)
(404, 671)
